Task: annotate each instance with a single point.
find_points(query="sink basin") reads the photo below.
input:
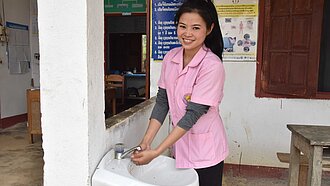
(161, 172)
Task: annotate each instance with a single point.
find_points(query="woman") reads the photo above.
(191, 88)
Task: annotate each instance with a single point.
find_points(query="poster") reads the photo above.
(163, 36)
(238, 22)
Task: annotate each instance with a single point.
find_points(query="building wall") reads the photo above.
(256, 127)
(13, 86)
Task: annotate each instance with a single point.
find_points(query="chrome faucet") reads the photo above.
(120, 153)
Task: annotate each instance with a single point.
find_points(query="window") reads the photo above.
(292, 57)
(126, 55)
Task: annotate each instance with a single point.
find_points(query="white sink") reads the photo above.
(161, 172)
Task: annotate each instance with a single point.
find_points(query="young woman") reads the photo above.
(191, 88)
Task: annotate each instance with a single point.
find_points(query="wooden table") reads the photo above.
(310, 140)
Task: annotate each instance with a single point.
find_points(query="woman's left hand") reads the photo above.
(143, 157)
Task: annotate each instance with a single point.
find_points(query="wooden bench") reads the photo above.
(303, 168)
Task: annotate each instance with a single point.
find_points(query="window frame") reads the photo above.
(259, 92)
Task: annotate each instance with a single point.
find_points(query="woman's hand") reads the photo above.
(143, 157)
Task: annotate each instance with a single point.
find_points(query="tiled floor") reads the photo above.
(21, 163)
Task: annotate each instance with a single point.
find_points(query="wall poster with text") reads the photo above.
(238, 22)
(163, 29)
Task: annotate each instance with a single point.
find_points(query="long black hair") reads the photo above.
(207, 10)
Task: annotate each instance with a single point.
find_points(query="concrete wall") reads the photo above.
(13, 86)
(71, 87)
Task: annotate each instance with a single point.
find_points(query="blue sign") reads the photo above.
(164, 36)
(16, 26)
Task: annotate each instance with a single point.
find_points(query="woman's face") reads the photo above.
(192, 31)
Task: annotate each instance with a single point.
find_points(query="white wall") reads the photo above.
(13, 86)
(256, 127)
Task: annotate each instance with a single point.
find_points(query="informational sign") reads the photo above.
(124, 6)
(238, 21)
(163, 28)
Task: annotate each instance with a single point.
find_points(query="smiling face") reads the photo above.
(192, 31)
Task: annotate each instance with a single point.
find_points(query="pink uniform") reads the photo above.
(201, 81)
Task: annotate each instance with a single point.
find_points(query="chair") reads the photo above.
(110, 99)
(118, 82)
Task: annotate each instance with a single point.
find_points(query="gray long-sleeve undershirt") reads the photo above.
(193, 111)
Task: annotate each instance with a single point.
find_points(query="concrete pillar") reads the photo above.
(72, 93)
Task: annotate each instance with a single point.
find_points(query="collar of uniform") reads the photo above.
(195, 60)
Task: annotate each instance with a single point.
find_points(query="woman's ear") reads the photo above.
(210, 30)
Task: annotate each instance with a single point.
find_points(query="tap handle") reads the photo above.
(119, 147)
(120, 153)
(138, 148)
